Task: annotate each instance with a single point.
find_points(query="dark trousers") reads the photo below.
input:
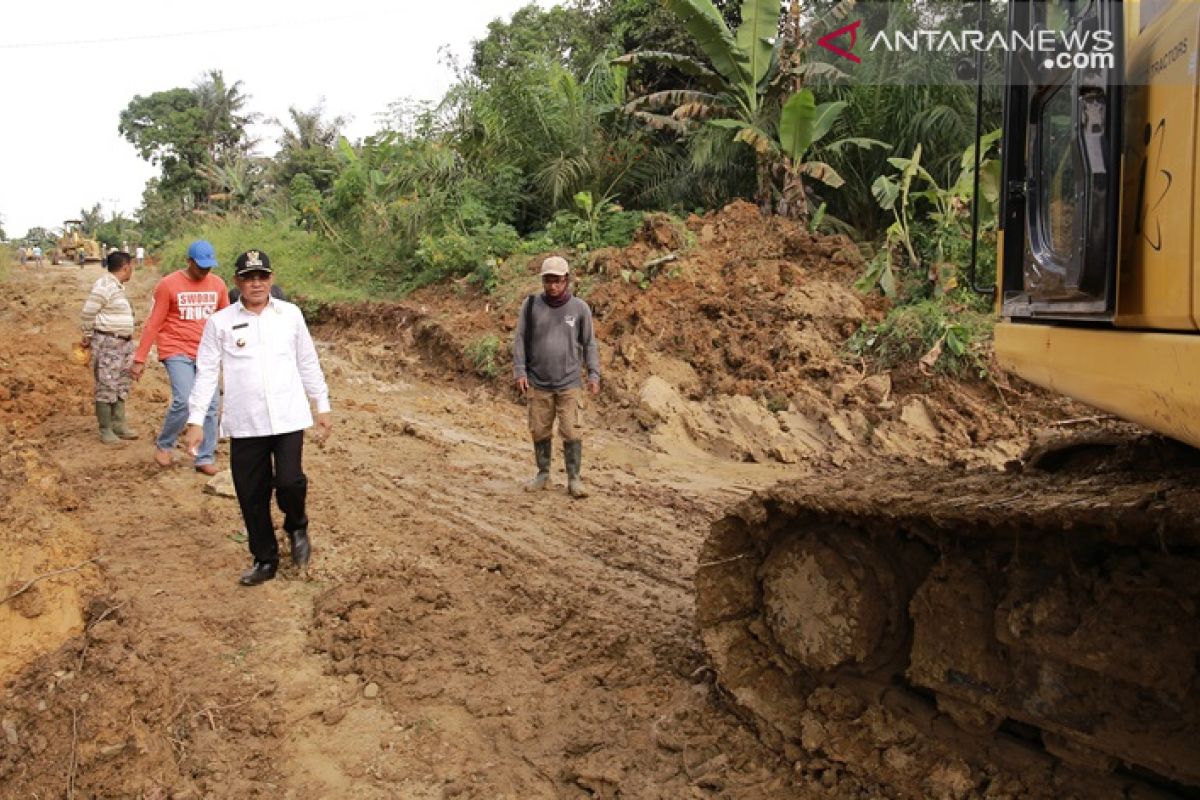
(260, 463)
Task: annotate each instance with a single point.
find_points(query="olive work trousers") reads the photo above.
(566, 405)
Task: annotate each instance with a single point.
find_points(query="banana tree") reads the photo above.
(740, 90)
(947, 212)
(732, 90)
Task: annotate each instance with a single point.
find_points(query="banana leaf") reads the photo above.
(708, 28)
(796, 122)
(684, 64)
(757, 35)
(819, 170)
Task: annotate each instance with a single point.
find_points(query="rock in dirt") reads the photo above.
(29, 603)
(10, 731)
(371, 691)
(221, 485)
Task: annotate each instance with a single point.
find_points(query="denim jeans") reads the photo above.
(181, 371)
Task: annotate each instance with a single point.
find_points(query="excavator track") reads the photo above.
(1042, 624)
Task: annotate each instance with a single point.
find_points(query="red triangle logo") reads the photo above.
(826, 41)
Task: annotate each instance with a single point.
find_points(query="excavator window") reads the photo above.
(1059, 177)
(1062, 156)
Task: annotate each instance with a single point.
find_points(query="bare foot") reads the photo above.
(207, 469)
(163, 458)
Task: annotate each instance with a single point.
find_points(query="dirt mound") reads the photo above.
(34, 372)
(725, 334)
(38, 534)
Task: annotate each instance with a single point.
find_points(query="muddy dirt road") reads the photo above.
(454, 636)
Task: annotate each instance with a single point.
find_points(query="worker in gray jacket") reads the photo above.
(553, 342)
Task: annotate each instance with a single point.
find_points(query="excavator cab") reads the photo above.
(1062, 165)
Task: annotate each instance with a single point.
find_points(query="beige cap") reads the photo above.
(555, 265)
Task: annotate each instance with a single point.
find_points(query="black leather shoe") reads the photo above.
(300, 546)
(261, 572)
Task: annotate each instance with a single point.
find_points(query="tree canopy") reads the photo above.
(184, 130)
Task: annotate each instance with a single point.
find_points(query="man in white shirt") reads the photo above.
(263, 349)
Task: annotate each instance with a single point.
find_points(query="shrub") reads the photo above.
(591, 225)
(483, 353)
(455, 253)
(946, 335)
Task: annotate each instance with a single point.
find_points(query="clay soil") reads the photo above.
(454, 636)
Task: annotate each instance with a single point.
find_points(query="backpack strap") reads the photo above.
(527, 326)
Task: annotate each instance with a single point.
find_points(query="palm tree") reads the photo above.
(912, 100)
(309, 129)
(238, 184)
(222, 123)
(307, 146)
(560, 134)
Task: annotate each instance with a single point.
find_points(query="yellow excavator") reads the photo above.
(1047, 622)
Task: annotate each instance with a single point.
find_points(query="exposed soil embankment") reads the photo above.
(735, 346)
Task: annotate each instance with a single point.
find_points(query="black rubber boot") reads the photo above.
(541, 454)
(573, 454)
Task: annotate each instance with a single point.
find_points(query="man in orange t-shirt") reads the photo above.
(183, 302)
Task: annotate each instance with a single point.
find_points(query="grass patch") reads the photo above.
(303, 264)
(948, 335)
(8, 257)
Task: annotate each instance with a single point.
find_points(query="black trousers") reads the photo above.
(260, 463)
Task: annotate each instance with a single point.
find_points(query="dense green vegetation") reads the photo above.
(562, 128)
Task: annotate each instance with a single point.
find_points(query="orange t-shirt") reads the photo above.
(181, 308)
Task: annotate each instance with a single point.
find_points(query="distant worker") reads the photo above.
(141, 256)
(262, 350)
(553, 343)
(183, 302)
(37, 255)
(22, 256)
(107, 322)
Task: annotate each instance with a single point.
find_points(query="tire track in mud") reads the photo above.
(635, 607)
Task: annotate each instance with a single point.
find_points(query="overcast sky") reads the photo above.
(67, 69)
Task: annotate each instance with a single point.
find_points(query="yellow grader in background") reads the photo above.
(73, 245)
(1041, 620)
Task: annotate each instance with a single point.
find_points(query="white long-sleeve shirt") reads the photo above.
(270, 368)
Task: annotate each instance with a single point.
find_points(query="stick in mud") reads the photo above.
(32, 581)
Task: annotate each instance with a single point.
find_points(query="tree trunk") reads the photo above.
(762, 195)
(794, 203)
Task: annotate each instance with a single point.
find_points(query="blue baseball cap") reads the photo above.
(203, 254)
